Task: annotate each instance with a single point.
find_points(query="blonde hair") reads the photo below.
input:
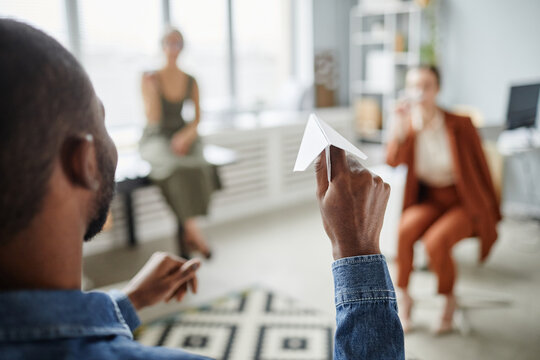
(170, 30)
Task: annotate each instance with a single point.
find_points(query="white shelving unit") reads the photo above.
(374, 30)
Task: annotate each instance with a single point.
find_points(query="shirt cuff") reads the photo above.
(126, 309)
(362, 279)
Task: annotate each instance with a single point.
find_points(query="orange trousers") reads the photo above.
(440, 221)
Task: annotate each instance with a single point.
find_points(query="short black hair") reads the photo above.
(434, 70)
(45, 96)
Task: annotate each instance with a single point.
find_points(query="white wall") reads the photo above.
(485, 45)
(331, 32)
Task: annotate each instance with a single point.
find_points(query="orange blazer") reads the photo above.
(472, 177)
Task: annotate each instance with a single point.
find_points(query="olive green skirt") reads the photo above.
(187, 182)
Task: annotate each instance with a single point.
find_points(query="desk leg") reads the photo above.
(130, 219)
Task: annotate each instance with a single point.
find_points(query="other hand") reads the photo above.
(163, 278)
(181, 141)
(403, 109)
(352, 205)
(402, 119)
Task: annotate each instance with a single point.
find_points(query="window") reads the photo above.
(46, 15)
(203, 24)
(262, 40)
(119, 41)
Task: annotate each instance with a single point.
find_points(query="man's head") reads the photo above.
(50, 118)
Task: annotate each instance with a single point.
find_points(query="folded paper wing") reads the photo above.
(318, 136)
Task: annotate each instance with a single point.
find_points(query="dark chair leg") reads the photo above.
(130, 219)
(182, 246)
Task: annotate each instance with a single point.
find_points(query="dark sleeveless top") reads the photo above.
(171, 114)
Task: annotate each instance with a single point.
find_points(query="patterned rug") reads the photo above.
(253, 324)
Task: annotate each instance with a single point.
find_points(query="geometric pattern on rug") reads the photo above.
(253, 324)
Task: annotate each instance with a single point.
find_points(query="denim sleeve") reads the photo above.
(368, 325)
(126, 309)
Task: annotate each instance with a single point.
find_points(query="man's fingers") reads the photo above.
(321, 174)
(180, 293)
(183, 275)
(191, 265)
(176, 293)
(173, 263)
(182, 290)
(194, 285)
(186, 273)
(338, 165)
(180, 286)
(181, 296)
(354, 165)
(338, 161)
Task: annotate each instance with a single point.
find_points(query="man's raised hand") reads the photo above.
(352, 204)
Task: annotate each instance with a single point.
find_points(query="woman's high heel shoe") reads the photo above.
(194, 244)
(446, 324)
(406, 308)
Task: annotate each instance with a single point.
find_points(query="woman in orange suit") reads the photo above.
(449, 194)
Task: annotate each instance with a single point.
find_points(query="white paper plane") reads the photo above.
(318, 136)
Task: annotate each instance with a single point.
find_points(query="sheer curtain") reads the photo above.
(120, 41)
(46, 15)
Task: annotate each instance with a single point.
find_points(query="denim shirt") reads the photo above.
(368, 326)
(70, 324)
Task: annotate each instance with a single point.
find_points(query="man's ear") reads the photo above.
(79, 162)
